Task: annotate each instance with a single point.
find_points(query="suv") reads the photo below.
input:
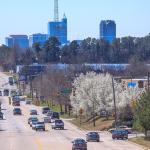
(92, 136)
(40, 126)
(45, 110)
(58, 124)
(120, 134)
(79, 144)
(17, 111)
(54, 116)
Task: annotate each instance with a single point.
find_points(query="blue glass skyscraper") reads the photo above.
(58, 29)
(20, 41)
(37, 38)
(108, 30)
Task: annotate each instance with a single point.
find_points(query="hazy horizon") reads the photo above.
(28, 17)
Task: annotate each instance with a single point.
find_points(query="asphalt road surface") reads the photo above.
(15, 134)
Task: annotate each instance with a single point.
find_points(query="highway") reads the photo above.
(15, 134)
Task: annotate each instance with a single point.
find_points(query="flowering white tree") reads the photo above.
(94, 91)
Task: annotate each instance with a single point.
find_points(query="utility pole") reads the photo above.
(94, 124)
(41, 79)
(148, 83)
(31, 87)
(114, 98)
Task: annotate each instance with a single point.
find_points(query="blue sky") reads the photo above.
(31, 16)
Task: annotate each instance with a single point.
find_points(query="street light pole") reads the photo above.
(114, 98)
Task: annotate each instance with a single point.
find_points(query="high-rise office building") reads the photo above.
(108, 30)
(58, 28)
(37, 38)
(20, 41)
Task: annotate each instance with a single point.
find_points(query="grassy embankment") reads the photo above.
(141, 141)
(101, 123)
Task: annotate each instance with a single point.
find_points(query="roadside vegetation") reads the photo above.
(141, 141)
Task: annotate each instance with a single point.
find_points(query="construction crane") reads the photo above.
(56, 13)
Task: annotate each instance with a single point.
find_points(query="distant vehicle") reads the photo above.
(1, 115)
(58, 124)
(33, 123)
(54, 116)
(40, 126)
(129, 130)
(1, 93)
(33, 112)
(11, 80)
(45, 110)
(104, 113)
(6, 92)
(16, 103)
(49, 113)
(32, 118)
(16, 98)
(120, 134)
(92, 136)
(28, 102)
(47, 119)
(17, 111)
(13, 93)
(79, 144)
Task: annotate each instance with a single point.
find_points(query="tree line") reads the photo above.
(90, 50)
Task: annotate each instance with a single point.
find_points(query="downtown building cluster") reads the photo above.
(58, 29)
(55, 29)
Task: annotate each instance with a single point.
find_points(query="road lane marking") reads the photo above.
(38, 143)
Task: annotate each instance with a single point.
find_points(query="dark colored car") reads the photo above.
(33, 112)
(58, 124)
(28, 102)
(45, 110)
(1, 93)
(54, 116)
(17, 111)
(40, 126)
(120, 134)
(1, 115)
(6, 92)
(32, 118)
(92, 136)
(79, 144)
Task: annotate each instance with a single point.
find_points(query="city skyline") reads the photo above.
(132, 18)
